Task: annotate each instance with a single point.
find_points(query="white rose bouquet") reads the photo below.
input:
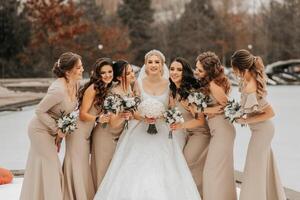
(200, 100)
(130, 104)
(67, 122)
(173, 116)
(233, 111)
(151, 108)
(112, 104)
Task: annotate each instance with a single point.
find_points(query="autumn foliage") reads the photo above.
(54, 21)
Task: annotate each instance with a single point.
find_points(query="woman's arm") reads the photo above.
(117, 119)
(53, 97)
(193, 123)
(267, 113)
(87, 103)
(219, 94)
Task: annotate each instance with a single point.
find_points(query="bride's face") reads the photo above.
(176, 72)
(154, 65)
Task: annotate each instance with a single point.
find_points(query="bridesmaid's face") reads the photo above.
(154, 65)
(176, 72)
(106, 73)
(127, 75)
(76, 72)
(199, 71)
(130, 77)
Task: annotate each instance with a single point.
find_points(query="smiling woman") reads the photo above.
(43, 174)
(77, 171)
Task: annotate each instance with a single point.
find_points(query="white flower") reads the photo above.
(173, 116)
(232, 111)
(67, 123)
(151, 108)
(199, 99)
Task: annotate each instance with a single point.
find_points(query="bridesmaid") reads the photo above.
(261, 179)
(218, 173)
(182, 83)
(76, 168)
(43, 177)
(104, 140)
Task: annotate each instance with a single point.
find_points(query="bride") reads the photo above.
(145, 166)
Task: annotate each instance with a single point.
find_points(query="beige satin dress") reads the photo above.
(104, 142)
(261, 179)
(196, 148)
(43, 179)
(218, 173)
(77, 170)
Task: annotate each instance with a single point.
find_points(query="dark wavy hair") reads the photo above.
(188, 82)
(65, 63)
(214, 72)
(120, 67)
(243, 60)
(95, 78)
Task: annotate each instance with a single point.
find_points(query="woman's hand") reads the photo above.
(150, 120)
(126, 115)
(104, 118)
(214, 110)
(176, 126)
(60, 134)
(58, 139)
(241, 121)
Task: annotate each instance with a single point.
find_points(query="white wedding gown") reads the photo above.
(148, 167)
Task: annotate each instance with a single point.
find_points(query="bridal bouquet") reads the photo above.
(173, 116)
(130, 104)
(233, 111)
(112, 104)
(151, 108)
(200, 100)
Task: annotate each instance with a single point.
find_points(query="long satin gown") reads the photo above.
(76, 167)
(218, 173)
(196, 147)
(43, 179)
(261, 179)
(104, 142)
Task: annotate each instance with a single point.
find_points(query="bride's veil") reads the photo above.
(143, 74)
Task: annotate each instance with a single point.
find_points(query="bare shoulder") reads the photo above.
(90, 90)
(214, 87)
(165, 82)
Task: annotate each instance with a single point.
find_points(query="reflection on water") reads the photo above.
(284, 99)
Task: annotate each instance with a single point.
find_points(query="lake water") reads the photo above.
(286, 143)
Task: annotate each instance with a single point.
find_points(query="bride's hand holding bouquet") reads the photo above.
(151, 110)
